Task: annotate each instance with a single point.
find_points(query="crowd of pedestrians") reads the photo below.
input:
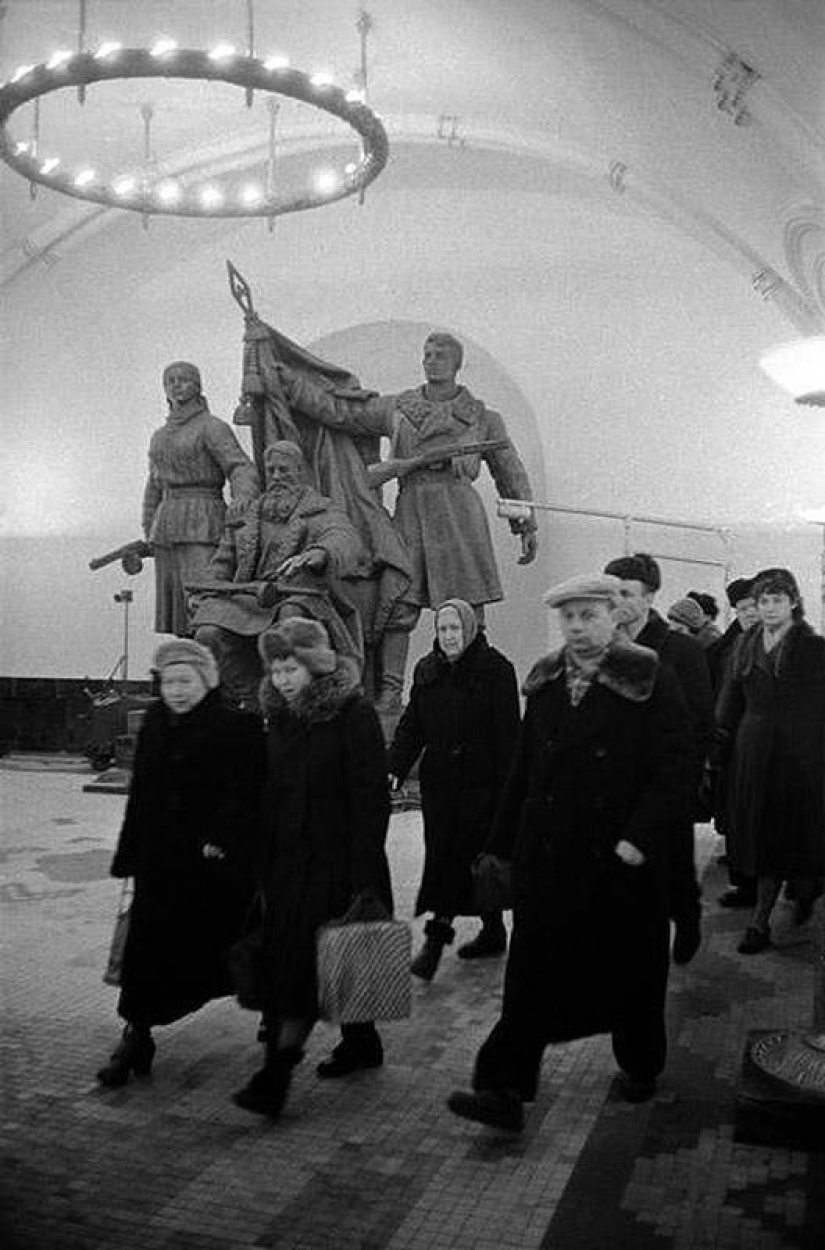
(578, 816)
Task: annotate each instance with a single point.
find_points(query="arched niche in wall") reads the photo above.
(386, 357)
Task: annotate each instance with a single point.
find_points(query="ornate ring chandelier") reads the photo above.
(152, 195)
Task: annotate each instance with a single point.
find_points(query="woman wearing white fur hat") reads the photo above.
(188, 840)
(326, 812)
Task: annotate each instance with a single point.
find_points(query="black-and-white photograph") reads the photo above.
(412, 671)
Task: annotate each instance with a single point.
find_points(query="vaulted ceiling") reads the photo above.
(707, 113)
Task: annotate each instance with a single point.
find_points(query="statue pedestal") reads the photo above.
(118, 778)
(111, 781)
(780, 1100)
(781, 1095)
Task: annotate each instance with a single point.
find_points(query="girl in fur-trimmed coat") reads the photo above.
(326, 812)
(771, 718)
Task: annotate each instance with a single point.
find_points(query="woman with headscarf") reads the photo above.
(771, 717)
(462, 719)
(326, 811)
(188, 840)
(190, 459)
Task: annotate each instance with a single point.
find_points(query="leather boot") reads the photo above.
(497, 1108)
(437, 935)
(134, 1053)
(491, 940)
(395, 646)
(359, 1047)
(266, 1092)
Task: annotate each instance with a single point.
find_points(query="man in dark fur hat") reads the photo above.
(742, 891)
(641, 579)
(585, 820)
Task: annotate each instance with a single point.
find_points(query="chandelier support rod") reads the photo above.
(81, 45)
(250, 44)
(364, 25)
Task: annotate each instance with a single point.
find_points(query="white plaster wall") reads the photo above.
(632, 351)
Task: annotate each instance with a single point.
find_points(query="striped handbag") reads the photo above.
(364, 971)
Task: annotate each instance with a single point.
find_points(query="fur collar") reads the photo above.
(627, 669)
(797, 652)
(322, 700)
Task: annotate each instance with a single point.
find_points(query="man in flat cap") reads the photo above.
(584, 821)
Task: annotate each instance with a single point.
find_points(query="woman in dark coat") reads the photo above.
(188, 840)
(585, 818)
(771, 712)
(463, 714)
(326, 812)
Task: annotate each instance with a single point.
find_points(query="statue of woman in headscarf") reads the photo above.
(184, 512)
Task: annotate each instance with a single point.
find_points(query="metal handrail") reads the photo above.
(628, 519)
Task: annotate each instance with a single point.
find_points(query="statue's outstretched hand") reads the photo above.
(529, 546)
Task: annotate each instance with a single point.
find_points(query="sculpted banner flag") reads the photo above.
(337, 459)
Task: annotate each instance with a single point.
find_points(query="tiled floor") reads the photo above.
(374, 1162)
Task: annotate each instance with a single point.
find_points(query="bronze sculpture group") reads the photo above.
(306, 531)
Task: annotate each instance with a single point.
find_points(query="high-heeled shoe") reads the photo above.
(134, 1053)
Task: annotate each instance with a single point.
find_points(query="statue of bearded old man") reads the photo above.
(289, 555)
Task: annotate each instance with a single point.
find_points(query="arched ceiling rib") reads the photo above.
(621, 90)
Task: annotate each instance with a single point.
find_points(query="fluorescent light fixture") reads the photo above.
(799, 369)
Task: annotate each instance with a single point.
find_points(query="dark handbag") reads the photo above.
(492, 884)
(244, 959)
(114, 964)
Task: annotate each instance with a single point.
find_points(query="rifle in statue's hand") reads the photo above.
(267, 593)
(384, 470)
(131, 556)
